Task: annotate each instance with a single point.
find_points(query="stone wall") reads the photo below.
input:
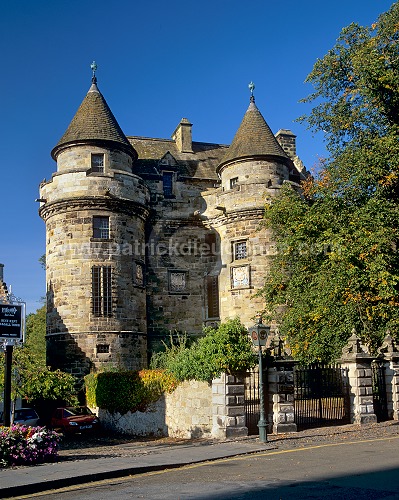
(188, 410)
(185, 413)
(194, 410)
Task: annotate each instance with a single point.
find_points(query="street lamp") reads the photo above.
(259, 334)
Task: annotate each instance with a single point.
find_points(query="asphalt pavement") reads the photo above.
(83, 463)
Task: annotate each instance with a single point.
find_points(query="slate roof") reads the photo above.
(94, 123)
(200, 164)
(253, 138)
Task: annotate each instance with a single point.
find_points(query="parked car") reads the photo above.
(73, 420)
(24, 416)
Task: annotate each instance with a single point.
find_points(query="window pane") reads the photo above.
(107, 295)
(101, 291)
(233, 182)
(97, 162)
(102, 348)
(96, 290)
(240, 250)
(101, 227)
(167, 179)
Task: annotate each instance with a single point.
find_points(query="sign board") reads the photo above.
(12, 321)
(259, 335)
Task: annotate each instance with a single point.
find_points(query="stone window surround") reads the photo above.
(102, 349)
(234, 253)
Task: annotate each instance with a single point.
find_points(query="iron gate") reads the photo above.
(321, 396)
(252, 401)
(380, 403)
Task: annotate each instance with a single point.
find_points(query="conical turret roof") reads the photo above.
(94, 123)
(253, 138)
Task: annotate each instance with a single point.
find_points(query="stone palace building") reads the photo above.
(147, 236)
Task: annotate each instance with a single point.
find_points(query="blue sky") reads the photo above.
(158, 61)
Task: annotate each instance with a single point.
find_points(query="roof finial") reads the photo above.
(251, 87)
(93, 67)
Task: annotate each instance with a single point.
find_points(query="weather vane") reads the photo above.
(251, 87)
(93, 67)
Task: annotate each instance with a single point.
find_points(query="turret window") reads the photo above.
(97, 162)
(101, 291)
(101, 227)
(233, 182)
(240, 250)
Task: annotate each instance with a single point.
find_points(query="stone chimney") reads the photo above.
(1, 273)
(182, 136)
(287, 141)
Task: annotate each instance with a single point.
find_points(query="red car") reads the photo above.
(73, 420)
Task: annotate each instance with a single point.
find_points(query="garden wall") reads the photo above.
(185, 413)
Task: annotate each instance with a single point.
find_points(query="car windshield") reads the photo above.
(25, 414)
(75, 411)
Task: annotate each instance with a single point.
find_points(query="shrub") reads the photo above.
(223, 349)
(22, 445)
(123, 391)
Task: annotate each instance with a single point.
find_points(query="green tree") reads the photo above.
(336, 263)
(36, 335)
(32, 380)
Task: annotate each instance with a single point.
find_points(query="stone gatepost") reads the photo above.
(356, 358)
(228, 407)
(390, 353)
(281, 390)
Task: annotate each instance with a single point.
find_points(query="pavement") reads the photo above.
(85, 462)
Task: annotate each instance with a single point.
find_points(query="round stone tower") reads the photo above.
(95, 209)
(253, 169)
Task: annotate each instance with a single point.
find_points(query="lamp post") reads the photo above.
(259, 334)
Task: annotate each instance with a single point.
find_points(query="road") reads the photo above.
(359, 470)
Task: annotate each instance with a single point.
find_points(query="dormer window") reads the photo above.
(97, 162)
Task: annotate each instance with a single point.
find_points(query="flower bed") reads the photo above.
(22, 445)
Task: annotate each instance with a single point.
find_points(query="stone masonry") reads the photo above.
(228, 407)
(356, 358)
(147, 237)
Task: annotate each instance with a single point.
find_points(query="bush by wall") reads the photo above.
(22, 445)
(223, 349)
(123, 391)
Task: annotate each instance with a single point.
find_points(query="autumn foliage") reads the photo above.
(337, 266)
